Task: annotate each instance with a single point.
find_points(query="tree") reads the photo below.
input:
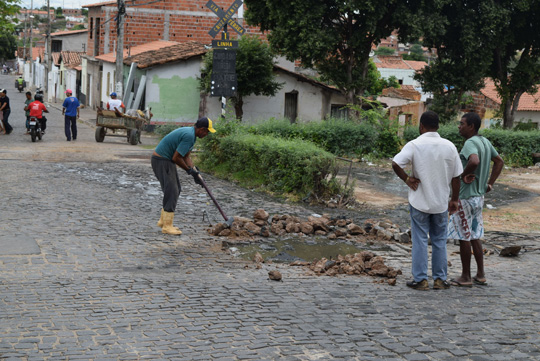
(516, 58)
(254, 69)
(463, 35)
(59, 11)
(8, 45)
(383, 50)
(79, 27)
(416, 53)
(335, 37)
(8, 8)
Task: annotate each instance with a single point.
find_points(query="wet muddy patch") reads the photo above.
(300, 249)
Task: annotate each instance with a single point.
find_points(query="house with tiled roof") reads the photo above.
(70, 40)
(487, 104)
(403, 70)
(168, 72)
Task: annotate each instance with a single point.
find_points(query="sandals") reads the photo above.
(479, 281)
(456, 283)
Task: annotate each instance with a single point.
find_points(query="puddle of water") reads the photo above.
(293, 249)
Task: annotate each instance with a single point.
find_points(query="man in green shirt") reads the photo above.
(467, 224)
(27, 110)
(174, 150)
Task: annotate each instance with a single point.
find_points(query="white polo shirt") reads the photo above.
(435, 161)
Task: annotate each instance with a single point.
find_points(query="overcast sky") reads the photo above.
(69, 4)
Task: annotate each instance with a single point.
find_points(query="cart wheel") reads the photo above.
(100, 134)
(133, 137)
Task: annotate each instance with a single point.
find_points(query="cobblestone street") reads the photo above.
(85, 273)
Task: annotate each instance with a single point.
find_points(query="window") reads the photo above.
(338, 111)
(91, 28)
(291, 105)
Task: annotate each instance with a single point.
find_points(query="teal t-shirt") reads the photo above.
(180, 140)
(26, 103)
(484, 149)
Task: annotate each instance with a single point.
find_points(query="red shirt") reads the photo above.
(36, 109)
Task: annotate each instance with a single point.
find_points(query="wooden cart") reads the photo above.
(108, 123)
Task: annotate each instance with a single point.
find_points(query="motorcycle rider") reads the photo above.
(27, 110)
(37, 108)
(20, 80)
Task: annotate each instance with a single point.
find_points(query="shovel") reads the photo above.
(228, 221)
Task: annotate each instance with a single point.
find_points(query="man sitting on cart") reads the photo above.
(115, 104)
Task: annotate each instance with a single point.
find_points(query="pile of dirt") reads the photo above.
(325, 225)
(363, 263)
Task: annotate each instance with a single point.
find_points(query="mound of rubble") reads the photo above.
(325, 225)
(363, 263)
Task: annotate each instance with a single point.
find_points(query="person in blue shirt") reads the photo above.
(174, 150)
(71, 111)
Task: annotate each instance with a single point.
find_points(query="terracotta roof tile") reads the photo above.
(527, 102)
(100, 4)
(396, 62)
(416, 65)
(71, 58)
(179, 51)
(154, 45)
(68, 32)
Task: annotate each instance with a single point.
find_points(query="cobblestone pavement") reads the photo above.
(86, 275)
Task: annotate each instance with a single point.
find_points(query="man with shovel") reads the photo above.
(174, 150)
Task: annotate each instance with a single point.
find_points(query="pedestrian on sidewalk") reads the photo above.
(174, 150)
(6, 111)
(435, 172)
(70, 108)
(27, 110)
(467, 225)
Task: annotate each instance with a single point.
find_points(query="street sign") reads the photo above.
(225, 17)
(223, 79)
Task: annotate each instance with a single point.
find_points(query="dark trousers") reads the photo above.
(165, 171)
(71, 127)
(8, 127)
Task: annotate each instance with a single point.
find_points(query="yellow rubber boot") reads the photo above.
(168, 227)
(160, 222)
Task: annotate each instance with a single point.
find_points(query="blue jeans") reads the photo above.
(435, 225)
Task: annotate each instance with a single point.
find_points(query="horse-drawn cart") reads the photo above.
(114, 121)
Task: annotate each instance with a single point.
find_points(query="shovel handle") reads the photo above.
(213, 199)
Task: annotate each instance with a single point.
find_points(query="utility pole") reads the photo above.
(25, 34)
(48, 51)
(31, 42)
(119, 79)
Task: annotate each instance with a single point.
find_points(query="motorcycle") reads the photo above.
(35, 129)
(20, 87)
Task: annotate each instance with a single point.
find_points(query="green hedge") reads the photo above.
(335, 136)
(516, 147)
(281, 165)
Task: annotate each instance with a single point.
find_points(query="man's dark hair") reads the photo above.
(29, 93)
(430, 120)
(473, 119)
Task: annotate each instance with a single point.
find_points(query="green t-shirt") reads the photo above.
(180, 140)
(26, 103)
(484, 149)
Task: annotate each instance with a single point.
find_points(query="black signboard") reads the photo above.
(223, 80)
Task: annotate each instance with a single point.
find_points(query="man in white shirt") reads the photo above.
(114, 103)
(435, 167)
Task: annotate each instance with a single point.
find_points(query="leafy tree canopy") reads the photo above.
(254, 69)
(8, 8)
(8, 45)
(383, 50)
(335, 37)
